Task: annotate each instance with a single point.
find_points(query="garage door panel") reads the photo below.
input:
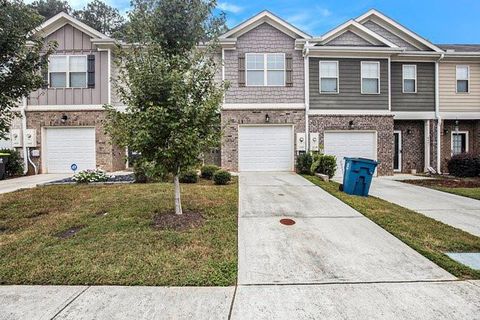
(265, 148)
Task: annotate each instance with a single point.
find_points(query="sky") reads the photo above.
(440, 21)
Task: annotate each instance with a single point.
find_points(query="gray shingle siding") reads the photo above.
(349, 39)
(264, 39)
(389, 36)
(349, 96)
(424, 99)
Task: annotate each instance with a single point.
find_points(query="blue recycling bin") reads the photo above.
(357, 176)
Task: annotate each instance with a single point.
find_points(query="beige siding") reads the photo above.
(450, 101)
(72, 41)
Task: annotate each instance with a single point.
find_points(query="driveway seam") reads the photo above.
(69, 303)
(233, 301)
(301, 217)
(349, 283)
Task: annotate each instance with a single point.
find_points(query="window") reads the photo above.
(459, 142)
(68, 71)
(328, 76)
(370, 77)
(409, 78)
(463, 79)
(265, 69)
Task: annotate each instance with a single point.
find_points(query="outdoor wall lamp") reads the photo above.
(445, 131)
(64, 118)
(409, 131)
(267, 118)
(456, 128)
(350, 124)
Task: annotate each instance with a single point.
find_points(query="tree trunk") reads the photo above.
(178, 200)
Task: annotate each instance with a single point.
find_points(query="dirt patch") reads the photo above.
(447, 182)
(3, 229)
(101, 213)
(36, 214)
(69, 232)
(172, 221)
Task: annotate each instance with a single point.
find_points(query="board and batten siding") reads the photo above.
(424, 98)
(450, 100)
(349, 96)
(72, 41)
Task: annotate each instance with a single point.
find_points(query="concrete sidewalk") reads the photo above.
(457, 211)
(27, 182)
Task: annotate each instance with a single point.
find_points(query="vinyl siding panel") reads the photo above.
(72, 41)
(424, 99)
(349, 96)
(450, 101)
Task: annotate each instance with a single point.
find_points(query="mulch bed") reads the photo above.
(447, 182)
(124, 178)
(172, 221)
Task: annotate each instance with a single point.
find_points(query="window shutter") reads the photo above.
(289, 70)
(241, 70)
(91, 71)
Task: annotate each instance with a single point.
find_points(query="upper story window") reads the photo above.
(370, 73)
(67, 71)
(265, 69)
(328, 76)
(463, 79)
(409, 78)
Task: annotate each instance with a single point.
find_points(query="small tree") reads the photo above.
(172, 98)
(102, 17)
(22, 57)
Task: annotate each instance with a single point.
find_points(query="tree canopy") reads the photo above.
(49, 8)
(102, 17)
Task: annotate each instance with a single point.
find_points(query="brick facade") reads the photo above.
(108, 156)
(383, 125)
(448, 126)
(413, 144)
(232, 119)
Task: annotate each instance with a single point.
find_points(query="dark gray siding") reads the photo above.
(349, 96)
(424, 99)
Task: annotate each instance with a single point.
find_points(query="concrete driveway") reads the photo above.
(330, 242)
(457, 211)
(30, 181)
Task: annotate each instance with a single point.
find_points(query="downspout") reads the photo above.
(24, 128)
(307, 94)
(437, 112)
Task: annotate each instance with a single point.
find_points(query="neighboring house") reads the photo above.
(63, 123)
(368, 88)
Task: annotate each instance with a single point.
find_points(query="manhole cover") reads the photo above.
(287, 222)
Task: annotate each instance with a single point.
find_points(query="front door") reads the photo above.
(397, 156)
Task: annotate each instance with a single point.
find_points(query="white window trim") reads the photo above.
(403, 78)
(265, 70)
(67, 77)
(320, 76)
(451, 140)
(361, 77)
(468, 78)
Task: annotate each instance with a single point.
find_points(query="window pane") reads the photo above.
(255, 78)
(275, 78)
(409, 72)
(459, 143)
(409, 85)
(58, 80)
(57, 64)
(328, 69)
(78, 64)
(78, 79)
(462, 73)
(328, 85)
(255, 61)
(462, 86)
(370, 70)
(370, 85)
(276, 61)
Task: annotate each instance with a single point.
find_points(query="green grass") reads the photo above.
(121, 247)
(429, 237)
(473, 193)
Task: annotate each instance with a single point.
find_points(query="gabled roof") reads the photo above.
(358, 29)
(265, 17)
(61, 19)
(396, 26)
(460, 47)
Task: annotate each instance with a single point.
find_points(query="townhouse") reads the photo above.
(369, 88)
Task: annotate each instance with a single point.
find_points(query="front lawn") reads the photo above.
(467, 187)
(106, 235)
(429, 237)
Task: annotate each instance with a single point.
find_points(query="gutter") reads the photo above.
(307, 93)
(24, 128)
(437, 112)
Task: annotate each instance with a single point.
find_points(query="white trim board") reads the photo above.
(362, 112)
(263, 106)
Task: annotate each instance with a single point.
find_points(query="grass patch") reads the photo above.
(473, 193)
(427, 236)
(466, 187)
(118, 244)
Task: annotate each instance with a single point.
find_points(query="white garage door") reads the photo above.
(361, 144)
(265, 148)
(65, 146)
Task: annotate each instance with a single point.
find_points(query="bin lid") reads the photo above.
(364, 160)
(4, 154)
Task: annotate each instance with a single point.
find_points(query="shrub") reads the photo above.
(87, 176)
(14, 166)
(304, 163)
(464, 165)
(147, 171)
(208, 171)
(325, 164)
(189, 176)
(222, 177)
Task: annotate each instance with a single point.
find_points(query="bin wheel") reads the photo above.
(340, 187)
